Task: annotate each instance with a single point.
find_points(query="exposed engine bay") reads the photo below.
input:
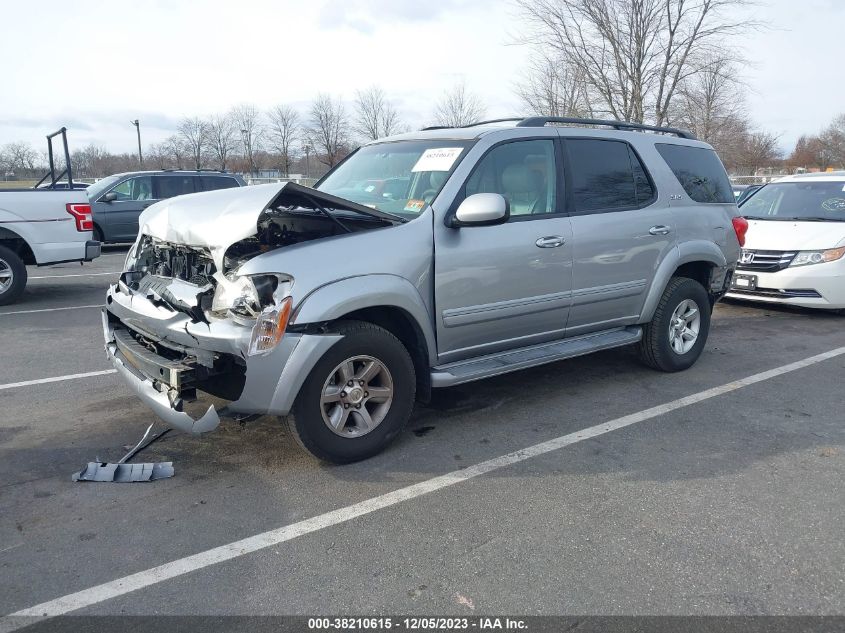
(186, 277)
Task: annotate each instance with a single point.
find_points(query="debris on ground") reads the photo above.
(122, 472)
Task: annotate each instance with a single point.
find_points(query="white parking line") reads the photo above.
(44, 381)
(99, 305)
(176, 568)
(117, 272)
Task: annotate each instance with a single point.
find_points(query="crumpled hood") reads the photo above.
(213, 219)
(774, 235)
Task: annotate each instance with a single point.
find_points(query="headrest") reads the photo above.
(520, 179)
(436, 179)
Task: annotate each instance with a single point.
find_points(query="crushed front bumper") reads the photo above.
(271, 381)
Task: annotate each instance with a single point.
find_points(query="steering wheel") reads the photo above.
(428, 194)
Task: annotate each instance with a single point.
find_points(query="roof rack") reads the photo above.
(475, 124)
(540, 121)
(217, 171)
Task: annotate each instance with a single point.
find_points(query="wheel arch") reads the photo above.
(390, 302)
(700, 260)
(18, 245)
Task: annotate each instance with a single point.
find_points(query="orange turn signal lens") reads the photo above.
(270, 327)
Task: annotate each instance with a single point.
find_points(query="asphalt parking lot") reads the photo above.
(728, 503)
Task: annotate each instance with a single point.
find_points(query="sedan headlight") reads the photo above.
(806, 258)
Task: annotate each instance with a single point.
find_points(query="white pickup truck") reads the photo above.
(43, 225)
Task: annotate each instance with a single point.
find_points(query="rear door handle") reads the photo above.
(660, 229)
(550, 241)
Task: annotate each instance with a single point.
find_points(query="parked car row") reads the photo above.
(60, 220)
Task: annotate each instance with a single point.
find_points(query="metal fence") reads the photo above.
(755, 180)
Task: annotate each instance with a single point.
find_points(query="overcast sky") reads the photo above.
(94, 65)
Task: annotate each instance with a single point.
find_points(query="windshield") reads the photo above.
(95, 190)
(399, 178)
(810, 201)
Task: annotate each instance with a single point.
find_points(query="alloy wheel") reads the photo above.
(356, 396)
(684, 326)
(7, 276)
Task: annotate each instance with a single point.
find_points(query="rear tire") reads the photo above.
(675, 337)
(12, 276)
(357, 398)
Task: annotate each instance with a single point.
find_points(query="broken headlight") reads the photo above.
(247, 295)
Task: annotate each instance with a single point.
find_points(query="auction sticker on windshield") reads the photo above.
(438, 159)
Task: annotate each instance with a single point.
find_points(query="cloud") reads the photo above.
(366, 16)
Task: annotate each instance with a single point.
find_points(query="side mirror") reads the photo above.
(111, 196)
(482, 209)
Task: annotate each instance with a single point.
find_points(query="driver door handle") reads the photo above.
(550, 241)
(660, 229)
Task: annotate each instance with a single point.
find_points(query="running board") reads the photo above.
(513, 360)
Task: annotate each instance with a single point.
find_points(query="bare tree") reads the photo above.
(375, 116)
(553, 88)
(248, 121)
(633, 55)
(284, 132)
(458, 106)
(222, 138)
(194, 134)
(158, 154)
(329, 129)
(175, 148)
(20, 156)
(832, 140)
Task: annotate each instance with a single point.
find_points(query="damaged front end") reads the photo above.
(182, 321)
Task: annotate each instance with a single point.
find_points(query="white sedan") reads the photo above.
(795, 246)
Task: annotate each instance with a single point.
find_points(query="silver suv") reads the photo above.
(423, 260)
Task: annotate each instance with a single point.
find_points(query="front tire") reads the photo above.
(12, 276)
(674, 339)
(357, 398)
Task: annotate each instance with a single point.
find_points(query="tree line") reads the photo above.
(248, 140)
(663, 62)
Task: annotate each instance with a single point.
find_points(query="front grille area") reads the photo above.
(782, 294)
(765, 261)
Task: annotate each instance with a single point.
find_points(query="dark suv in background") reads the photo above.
(118, 200)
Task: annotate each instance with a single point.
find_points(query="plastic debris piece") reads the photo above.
(124, 473)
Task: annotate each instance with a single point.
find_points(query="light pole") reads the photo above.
(138, 130)
(307, 149)
(248, 146)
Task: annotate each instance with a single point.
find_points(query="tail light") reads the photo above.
(82, 214)
(740, 228)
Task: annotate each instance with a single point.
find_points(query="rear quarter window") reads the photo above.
(212, 183)
(699, 171)
(606, 175)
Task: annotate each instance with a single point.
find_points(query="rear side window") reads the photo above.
(169, 186)
(699, 171)
(606, 176)
(211, 183)
(139, 188)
